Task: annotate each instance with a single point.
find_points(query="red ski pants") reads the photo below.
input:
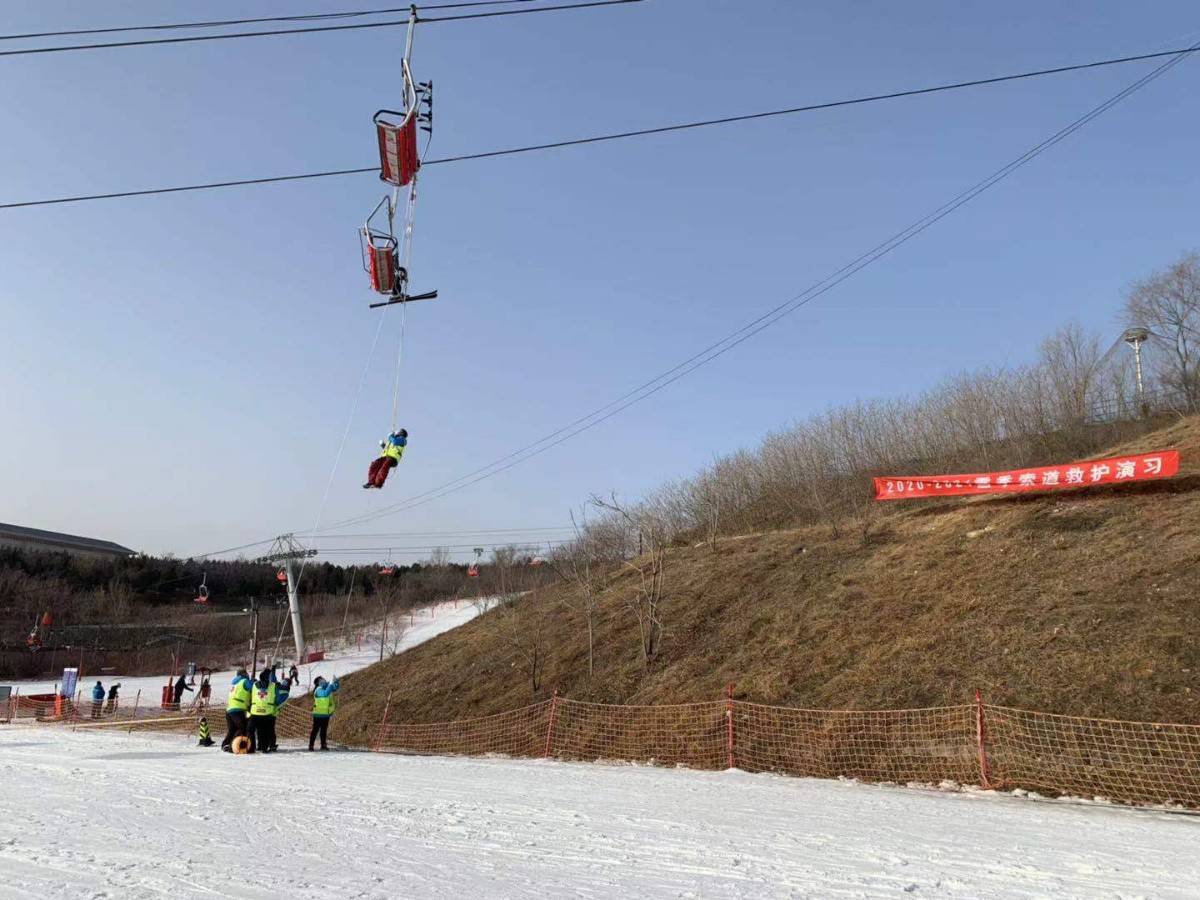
(378, 472)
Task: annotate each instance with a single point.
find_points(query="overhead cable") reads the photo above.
(764, 321)
(317, 29)
(614, 136)
(224, 23)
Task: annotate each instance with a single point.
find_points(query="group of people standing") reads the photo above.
(253, 707)
(98, 694)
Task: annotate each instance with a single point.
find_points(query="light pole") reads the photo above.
(1135, 337)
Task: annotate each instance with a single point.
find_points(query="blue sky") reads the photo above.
(176, 372)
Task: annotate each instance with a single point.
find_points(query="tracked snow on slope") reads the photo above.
(417, 627)
(110, 815)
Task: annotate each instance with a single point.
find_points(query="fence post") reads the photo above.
(383, 723)
(133, 715)
(985, 773)
(550, 727)
(729, 723)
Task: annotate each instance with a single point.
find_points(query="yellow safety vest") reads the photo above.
(324, 706)
(239, 697)
(395, 451)
(263, 703)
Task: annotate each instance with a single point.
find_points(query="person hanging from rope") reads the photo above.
(392, 449)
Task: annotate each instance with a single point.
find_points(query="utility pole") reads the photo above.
(349, 596)
(253, 637)
(383, 629)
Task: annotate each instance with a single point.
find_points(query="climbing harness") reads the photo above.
(202, 591)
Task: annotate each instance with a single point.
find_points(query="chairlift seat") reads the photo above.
(398, 159)
(381, 265)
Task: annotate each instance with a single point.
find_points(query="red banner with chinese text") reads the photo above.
(1118, 469)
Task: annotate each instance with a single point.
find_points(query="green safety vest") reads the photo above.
(324, 706)
(239, 697)
(263, 703)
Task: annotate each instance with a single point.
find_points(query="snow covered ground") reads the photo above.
(422, 625)
(149, 816)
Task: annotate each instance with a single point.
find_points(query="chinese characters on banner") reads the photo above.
(1119, 469)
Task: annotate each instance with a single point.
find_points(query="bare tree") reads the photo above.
(646, 601)
(391, 619)
(1070, 361)
(581, 564)
(521, 614)
(1168, 303)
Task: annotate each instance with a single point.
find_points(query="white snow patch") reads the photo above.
(420, 626)
(94, 815)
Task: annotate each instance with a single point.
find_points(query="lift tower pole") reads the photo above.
(287, 551)
(1135, 337)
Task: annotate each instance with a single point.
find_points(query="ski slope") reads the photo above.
(151, 816)
(422, 625)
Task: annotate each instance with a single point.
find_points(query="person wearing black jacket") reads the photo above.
(180, 686)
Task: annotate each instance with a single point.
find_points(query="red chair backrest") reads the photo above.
(398, 161)
(382, 266)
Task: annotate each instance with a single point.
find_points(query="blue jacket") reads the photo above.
(98, 691)
(325, 690)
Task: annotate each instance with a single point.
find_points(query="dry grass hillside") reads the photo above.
(1082, 602)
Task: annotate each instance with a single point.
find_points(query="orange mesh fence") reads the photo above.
(1134, 762)
(293, 722)
(519, 732)
(691, 734)
(902, 745)
(41, 710)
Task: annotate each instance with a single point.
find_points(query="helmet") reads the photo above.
(403, 432)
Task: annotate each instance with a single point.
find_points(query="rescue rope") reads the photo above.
(406, 239)
(362, 381)
(399, 364)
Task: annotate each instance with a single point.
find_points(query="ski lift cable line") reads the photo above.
(614, 136)
(433, 547)
(229, 549)
(767, 319)
(224, 23)
(316, 29)
(362, 381)
(326, 535)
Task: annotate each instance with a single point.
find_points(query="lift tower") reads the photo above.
(286, 551)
